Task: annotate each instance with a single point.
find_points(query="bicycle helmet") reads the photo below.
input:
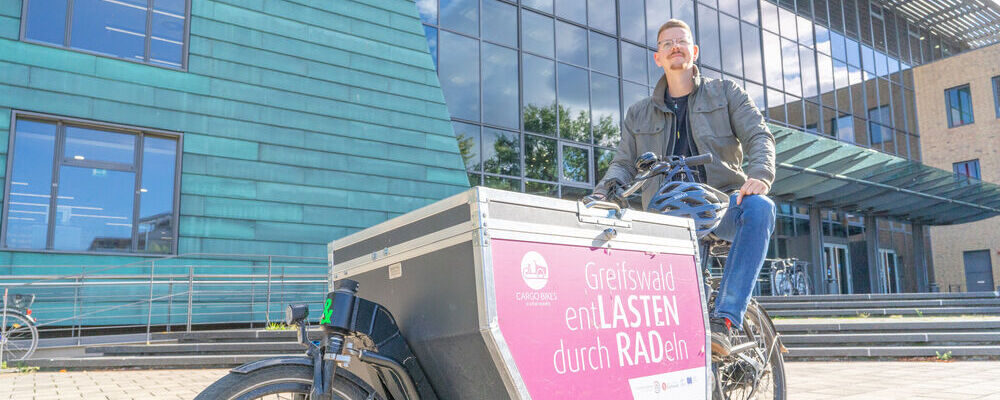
(690, 200)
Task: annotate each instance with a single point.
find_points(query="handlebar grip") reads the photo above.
(701, 159)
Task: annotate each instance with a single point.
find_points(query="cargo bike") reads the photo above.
(503, 295)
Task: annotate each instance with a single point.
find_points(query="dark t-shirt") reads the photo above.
(681, 135)
(684, 145)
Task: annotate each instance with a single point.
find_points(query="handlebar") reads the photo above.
(648, 165)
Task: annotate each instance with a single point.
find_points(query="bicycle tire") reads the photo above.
(19, 336)
(285, 379)
(771, 385)
(802, 283)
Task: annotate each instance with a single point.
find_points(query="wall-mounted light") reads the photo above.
(78, 157)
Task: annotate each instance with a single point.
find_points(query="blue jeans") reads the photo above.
(748, 227)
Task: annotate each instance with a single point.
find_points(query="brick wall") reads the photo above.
(943, 146)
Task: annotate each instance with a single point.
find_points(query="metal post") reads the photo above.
(190, 295)
(874, 257)
(818, 273)
(267, 312)
(170, 301)
(77, 327)
(3, 328)
(253, 302)
(149, 314)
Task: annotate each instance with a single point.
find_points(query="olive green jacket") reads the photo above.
(722, 120)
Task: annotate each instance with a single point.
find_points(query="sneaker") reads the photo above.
(722, 330)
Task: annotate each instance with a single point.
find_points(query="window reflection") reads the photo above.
(114, 28)
(602, 160)
(790, 59)
(748, 11)
(571, 44)
(30, 185)
(754, 68)
(536, 33)
(708, 37)
(94, 209)
(167, 38)
(539, 158)
(682, 10)
(500, 24)
(732, 59)
(432, 43)
(632, 12)
(459, 82)
(604, 53)
(541, 5)
(575, 164)
(573, 10)
(460, 16)
(45, 21)
(541, 189)
(501, 152)
(500, 86)
(604, 94)
(468, 144)
(772, 61)
(574, 104)
(539, 88)
(96, 145)
(632, 93)
(810, 87)
(156, 196)
(657, 13)
(634, 62)
(601, 15)
(428, 11)
(502, 183)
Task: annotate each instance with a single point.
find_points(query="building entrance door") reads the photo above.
(888, 271)
(978, 271)
(836, 260)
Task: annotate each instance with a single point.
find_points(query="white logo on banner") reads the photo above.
(534, 270)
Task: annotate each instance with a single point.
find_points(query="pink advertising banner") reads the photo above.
(595, 323)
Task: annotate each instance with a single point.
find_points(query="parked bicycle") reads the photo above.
(363, 353)
(789, 277)
(18, 334)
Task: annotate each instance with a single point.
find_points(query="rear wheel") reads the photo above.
(291, 382)
(18, 336)
(758, 373)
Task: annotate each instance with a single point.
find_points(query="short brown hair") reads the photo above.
(673, 23)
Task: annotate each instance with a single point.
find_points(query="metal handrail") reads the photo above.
(177, 288)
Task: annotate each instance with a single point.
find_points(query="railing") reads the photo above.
(166, 294)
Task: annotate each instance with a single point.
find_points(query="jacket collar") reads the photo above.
(661, 89)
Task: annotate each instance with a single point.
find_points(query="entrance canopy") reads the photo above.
(823, 172)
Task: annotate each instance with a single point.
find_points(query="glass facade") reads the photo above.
(82, 187)
(540, 110)
(556, 77)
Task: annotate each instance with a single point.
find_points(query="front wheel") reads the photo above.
(758, 373)
(284, 382)
(18, 336)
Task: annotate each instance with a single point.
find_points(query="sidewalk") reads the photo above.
(807, 381)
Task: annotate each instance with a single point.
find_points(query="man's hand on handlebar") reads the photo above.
(752, 186)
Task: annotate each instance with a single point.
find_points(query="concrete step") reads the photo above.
(242, 336)
(981, 310)
(284, 347)
(911, 338)
(971, 352)
(158, 361)
(923, 305)
(879, 297)
(792, 326)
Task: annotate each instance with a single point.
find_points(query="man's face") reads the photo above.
(676, 49)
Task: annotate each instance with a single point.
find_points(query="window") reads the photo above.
(996, 95)
(967, 169)
(78, 186)
(958, 102)
(148, 31)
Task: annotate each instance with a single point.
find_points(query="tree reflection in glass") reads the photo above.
(575, 164)
(574, 107)
(501, 152)
(539, 158)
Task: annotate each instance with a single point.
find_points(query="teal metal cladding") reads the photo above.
(303, 121)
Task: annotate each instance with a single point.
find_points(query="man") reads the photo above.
(690, 115)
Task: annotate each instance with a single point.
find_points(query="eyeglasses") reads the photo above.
(670, 43)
